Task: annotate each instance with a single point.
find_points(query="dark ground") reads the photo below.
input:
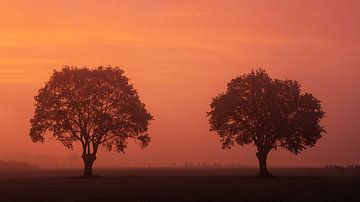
(160, 184)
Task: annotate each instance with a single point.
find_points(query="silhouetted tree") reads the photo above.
(268, 113)
(91, 106)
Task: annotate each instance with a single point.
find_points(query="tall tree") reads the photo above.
(91, 106)
(266, 112)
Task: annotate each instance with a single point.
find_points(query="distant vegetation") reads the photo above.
(349, 167)
(17, 166)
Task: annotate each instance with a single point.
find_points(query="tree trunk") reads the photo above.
(88, 163)
(263, 171)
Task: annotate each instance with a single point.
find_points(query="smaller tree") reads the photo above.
(268, 113)
(91, 106)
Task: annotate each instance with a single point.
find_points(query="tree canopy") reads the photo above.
(266, 112)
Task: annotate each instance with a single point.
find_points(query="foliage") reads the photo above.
(91, 106)
(266, 112)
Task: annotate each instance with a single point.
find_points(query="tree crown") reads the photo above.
(266, 112)
(94, 106)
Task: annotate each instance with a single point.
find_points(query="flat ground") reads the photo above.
(155, 184)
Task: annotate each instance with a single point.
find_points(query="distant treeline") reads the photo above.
(17, 166)
(349, 167)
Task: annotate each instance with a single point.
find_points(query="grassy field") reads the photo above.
(159, 184)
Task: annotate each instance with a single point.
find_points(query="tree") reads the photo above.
(91, 106)
(266, 112)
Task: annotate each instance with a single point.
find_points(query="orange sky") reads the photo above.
(179, 54)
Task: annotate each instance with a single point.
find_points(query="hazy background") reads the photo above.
(179, 54)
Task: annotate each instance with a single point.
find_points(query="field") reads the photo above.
(175, 184)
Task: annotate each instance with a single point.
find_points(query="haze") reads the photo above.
(179, 54)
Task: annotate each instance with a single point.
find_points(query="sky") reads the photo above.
(179, 54)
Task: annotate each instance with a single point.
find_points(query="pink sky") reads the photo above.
(179, 54)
